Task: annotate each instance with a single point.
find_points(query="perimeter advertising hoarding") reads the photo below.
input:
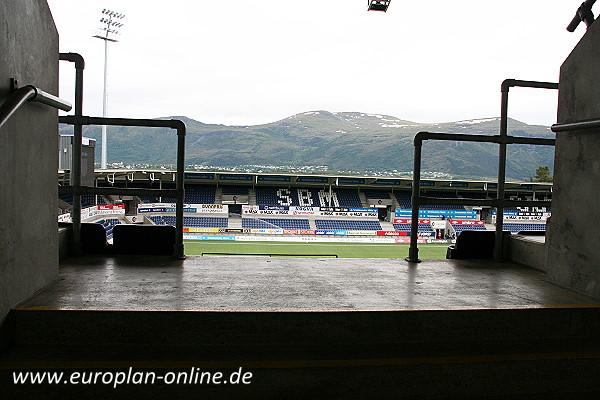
(525, 214)
(407, 240)
(64, 218)
(330, 232)
(207, 237)
(110, 209)
(466, 222)
(409, 220)
(207, 230)
(438, 224)
(361, 233)
(318, 211)
(524, 218)
(509, 218)
(189, 208)
(86, 213)
(392, 233)
(268, 231)
(299, 232)
(309, 239)
(458, 214)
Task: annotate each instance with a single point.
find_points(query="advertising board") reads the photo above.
(299, 232)
(466, 222)
(187, 208)
(310, 211)
(459, 214)
(409, 220)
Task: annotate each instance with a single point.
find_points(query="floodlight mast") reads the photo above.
(585, 14)
(378, 5)
(110, 20)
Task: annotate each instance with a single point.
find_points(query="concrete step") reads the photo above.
(387, 226)
(493, 354)
(235, 221)
(331, 328)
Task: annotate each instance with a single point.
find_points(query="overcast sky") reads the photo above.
(242, 62)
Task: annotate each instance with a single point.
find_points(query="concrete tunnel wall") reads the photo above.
(572, 238)
(28, 156)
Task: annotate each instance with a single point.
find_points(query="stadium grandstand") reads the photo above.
(224, 204)
(522, 323)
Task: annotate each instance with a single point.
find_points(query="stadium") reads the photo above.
(157, 283)
(233, 207)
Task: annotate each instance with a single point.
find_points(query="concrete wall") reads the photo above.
(573, 235)
(28, 158)
(527, 251)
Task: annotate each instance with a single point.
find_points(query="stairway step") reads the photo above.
(41, 327)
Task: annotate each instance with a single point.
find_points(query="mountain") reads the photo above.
(341, 141)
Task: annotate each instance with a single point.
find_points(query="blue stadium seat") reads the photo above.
(234, 190)
(406, 227)
(439, 195)
(404, 198)
(192, 222)
(266, 196)
(402, 227)
(87, 200)
(148, 199)
(108, 225)
(376, 194)
(199, 194)
(518, 227)
(459, 228)
(275, 223)
(348, 198)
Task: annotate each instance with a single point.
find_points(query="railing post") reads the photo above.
(413, 250)
(76, 154)
(505, 87)
(498, 240)
(179, 186)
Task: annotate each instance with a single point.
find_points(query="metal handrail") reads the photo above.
(78, 190)
(576, 126)
(503, 139)
(32, 94)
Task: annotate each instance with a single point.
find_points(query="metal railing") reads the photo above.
(503, 139)
(77, 190)
(26, 94)
(576, 126)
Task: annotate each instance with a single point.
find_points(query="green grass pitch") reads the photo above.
(341, 250)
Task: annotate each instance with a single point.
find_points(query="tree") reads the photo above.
(542, 174)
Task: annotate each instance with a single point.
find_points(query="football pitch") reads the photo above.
(333, 250)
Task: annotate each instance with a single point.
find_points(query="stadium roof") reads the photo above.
(268, 179)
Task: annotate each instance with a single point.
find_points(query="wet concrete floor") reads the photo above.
(297, 284)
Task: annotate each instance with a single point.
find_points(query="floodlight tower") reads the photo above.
(378, 5)
(108, 33)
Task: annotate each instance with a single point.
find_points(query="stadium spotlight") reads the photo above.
(108, 35)
(378, 5)
(585, 14)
